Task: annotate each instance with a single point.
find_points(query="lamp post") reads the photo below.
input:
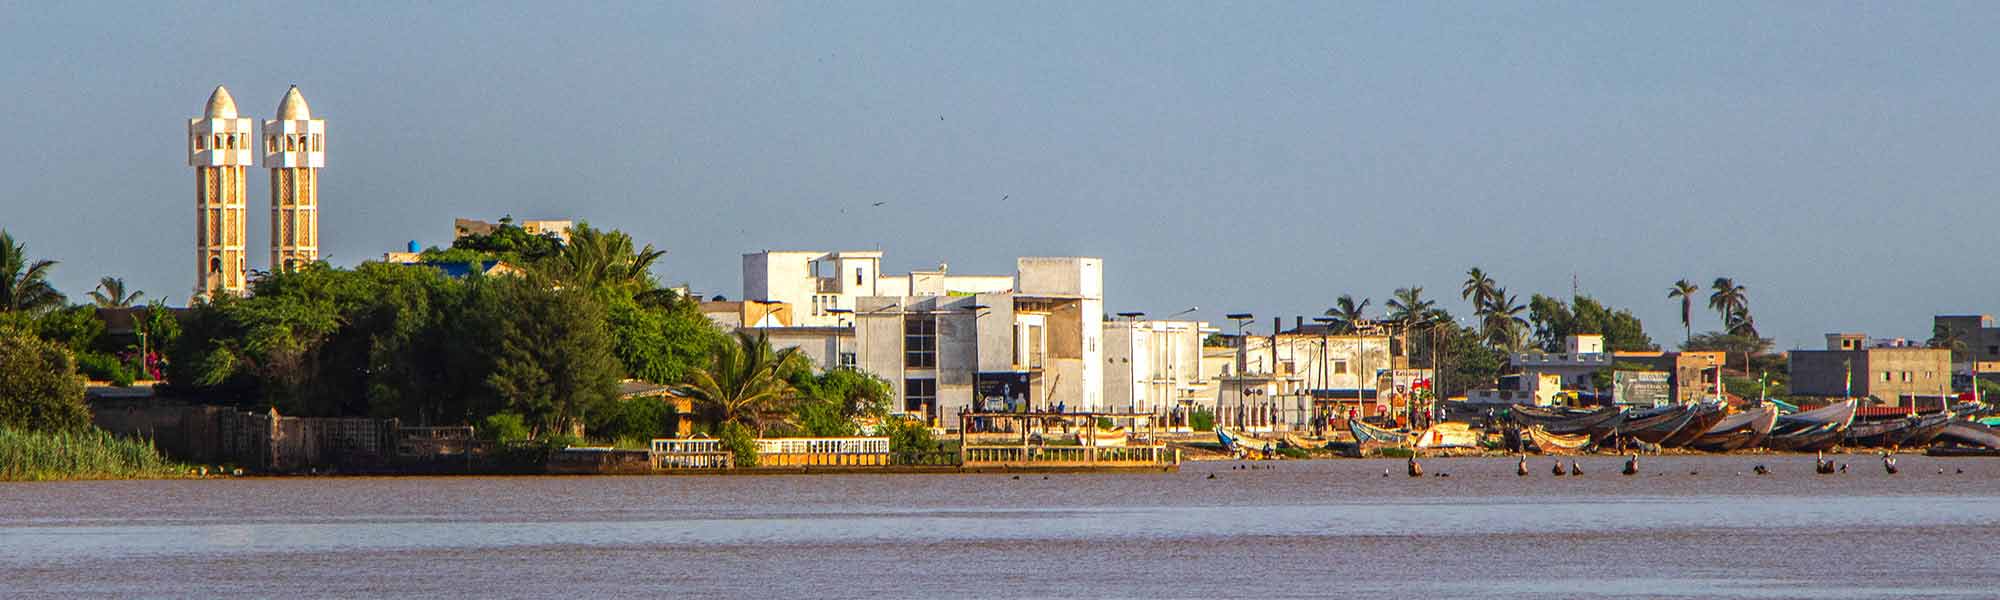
(1242, 360)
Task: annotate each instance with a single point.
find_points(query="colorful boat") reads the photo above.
(1597, 423)
(1738, 431)
(1237, 442)
(1446, 435)
(1553, 443)
(1706, 416)
(1365, 433)
(1294, 441)
(1655, 425)
(1911, 431)
(1968, 433)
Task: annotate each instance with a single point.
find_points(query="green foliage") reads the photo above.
(87, 453)
(508, 242)
(548, 351)
(1748, 387)
(1105, 423)
(1988, 391)
(738, 439)
(1468, 362)
(1202, 419)
(662, 344)
(599, 259)
(1554, 323)
(633, 418)
(110, 293)
(39, 389)
(910, 441)
(856, 393)
(24, 283)
(504, 427)
(1290, 452)
(818, 417)
(745, 383)
(99, 366)
(76, 328)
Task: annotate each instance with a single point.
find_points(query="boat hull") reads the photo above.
(1705, 417)
(1552, 443)
(1365, 433)
(1657, 425)
(1737, 432)
(1811, 439)
(1597, 423)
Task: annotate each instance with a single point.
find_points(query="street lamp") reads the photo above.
(1242, 360)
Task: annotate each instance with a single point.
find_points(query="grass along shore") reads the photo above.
(89, 454)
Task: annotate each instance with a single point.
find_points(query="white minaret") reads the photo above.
(294, 151)
(219, 151)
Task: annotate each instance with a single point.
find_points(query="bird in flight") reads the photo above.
(878, 203)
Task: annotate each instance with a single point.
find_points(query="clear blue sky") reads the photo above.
(1837, 159)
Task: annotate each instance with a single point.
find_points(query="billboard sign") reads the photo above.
(1641, 388)
(1001, 391)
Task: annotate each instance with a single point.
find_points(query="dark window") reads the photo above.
(920, 342)
(857, 276)
(920, 395)
(215, 264)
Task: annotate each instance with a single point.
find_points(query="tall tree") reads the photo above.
(595, 259)
(1478, 289)
(1409, 305)
(110, 293)
(1732, 302)
(1685, 291)
(745, 383)
(24, 284)
(1349, 313)
(39, 388)
(1504, 321)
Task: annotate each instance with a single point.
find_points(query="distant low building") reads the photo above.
(1852, 367)
(560, 228)
(1979, 340)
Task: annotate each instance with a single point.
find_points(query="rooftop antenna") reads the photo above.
(1574, 287)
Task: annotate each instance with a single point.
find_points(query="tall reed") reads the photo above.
(88, 454)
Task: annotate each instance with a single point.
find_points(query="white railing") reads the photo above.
(841, 445)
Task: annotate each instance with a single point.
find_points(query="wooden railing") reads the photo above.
(1071, 456)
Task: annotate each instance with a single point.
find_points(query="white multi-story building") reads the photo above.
(1155, 366)
(1037, 346)
(821, 287)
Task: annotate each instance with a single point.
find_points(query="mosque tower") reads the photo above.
(294, 151)
(219, 151)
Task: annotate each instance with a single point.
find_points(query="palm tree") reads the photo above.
(1408, 305)
(745, 383)
(24, 284)
(110, 293)
(1478, 288)
(1505, 320)
(1949, 338)
(1348, 312)
(596, 258)
(1732, 301)
(1685, 291)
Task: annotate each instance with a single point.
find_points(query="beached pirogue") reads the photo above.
(1704, 426)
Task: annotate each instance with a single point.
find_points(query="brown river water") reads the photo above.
(1687, 527)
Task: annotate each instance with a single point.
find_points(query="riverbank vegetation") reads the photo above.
(45, 430)
(87, 453)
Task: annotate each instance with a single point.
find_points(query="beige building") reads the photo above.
(559, 228)
(1853, 367)
(1154, 366)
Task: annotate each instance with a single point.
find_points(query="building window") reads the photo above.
(1907, 377)
(1340, 367)
(215, 264)
(847, 360)
(920, 342)
(270, 143)
(857, 276)
(315, 139)
(1886, 377)
(199, 143)
(920, 395)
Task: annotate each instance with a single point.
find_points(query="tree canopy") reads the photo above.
(39, 389)
(1554, 322)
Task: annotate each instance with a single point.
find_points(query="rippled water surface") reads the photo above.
(1694, 527)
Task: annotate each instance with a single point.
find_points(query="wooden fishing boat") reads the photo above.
(1597, 423)
(1898, 432)
(1365, 433)
(1841, 412)
(1295, 441)
(1968, 433)
(1653, 426)
(1551, 443)
(1927, 430)
(1706, 416)
(1237, 442)
(1738, 431)
(1446, 435)
(1815, 438)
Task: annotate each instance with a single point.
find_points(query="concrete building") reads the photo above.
(1038, 344)
(1583, 355)
(219, 150)
(827, 347)
(294, 151)
(824, 286)
(1155, 366)
(733, 314)
(1692, 375)
(1981, 343)
(559, 228)
(1851, 367)
(1294, 379)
